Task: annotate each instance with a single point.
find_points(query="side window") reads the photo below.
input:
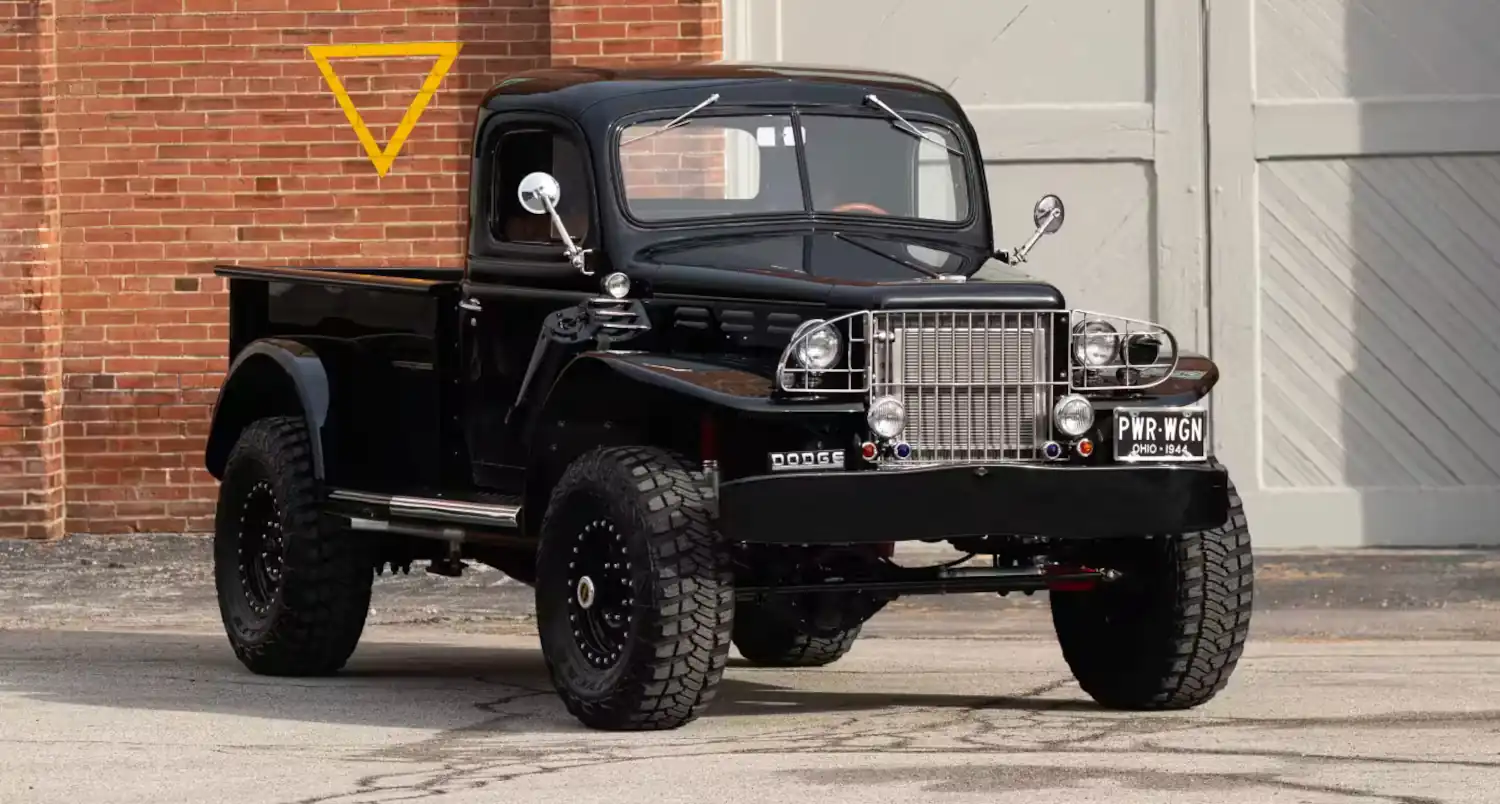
(527, 150)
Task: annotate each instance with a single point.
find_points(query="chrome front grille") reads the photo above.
(977, 386)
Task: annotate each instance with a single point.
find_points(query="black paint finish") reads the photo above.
(954, 501)
(491, 377)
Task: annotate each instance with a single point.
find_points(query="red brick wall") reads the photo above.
(190, 132)
(31, 430)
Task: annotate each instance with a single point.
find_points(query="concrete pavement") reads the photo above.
(1369, 678)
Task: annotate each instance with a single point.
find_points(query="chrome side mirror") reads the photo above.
(1048, 216)
(539, 193)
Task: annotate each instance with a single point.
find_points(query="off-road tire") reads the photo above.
(1169, 633)
(767, 640)
(674, 647)
(316, 614)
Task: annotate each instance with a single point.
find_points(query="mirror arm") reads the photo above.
(571, 250)
(1019, 255)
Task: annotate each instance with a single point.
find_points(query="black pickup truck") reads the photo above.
(723, 337)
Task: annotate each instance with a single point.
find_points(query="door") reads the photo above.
(1356, 266)
(517, 276)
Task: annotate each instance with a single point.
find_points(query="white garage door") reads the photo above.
(1334, 243)
(1358, 205)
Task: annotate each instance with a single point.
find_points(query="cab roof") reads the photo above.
(575, 90)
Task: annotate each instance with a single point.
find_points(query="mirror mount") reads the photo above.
(1048, 216)
(539, 193)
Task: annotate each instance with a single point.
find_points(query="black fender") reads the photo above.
(1190, 381)
(621, 384)
(269, 377)
(627, 398)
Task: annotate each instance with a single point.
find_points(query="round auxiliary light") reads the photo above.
(1142, 351)
(1073, 415)
(903, 450)
(1052, 450)
(616, 285)
(1085, 447)
(887, 417)
(1095, 343)
(818, 346)
(867, 450)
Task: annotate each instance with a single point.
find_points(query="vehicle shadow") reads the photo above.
(391, 684)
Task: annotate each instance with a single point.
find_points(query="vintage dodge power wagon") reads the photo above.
(724, 336)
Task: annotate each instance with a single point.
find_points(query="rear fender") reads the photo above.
(270, 377)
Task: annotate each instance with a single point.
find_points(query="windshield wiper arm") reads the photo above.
(679, 120)
(893, 258)
(906, 126)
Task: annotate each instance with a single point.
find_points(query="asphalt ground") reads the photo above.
(1370, 677)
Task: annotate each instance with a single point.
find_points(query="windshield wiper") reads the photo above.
(893, 258)
(906, 126)
(678, 121)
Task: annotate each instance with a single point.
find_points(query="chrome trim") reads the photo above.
(406, 529)
(1114, 375)
(430, 508)
(848, 376)
(711, 490)
(618, 314)
(978, 385)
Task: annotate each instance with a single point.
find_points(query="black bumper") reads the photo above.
(947, 502)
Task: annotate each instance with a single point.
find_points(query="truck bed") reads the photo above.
(386, 338)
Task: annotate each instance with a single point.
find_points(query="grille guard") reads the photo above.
(851, 374)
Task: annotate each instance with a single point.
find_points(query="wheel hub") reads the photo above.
(601, 594)
(262, 548)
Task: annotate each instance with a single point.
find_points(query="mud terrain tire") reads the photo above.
(293, 598)
(635, 591)
(1169, 633)
(767, 639)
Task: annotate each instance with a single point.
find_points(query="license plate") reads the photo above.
(1161, 434)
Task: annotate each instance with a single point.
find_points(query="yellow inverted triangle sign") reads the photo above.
(445, 52)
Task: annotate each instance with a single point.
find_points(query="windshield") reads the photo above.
(714, 166)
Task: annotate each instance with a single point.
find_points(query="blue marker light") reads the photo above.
(1052, 450)
(903, 450)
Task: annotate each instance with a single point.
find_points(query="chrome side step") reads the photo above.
(425, 516)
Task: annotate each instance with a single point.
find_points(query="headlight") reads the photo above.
(1142, 351)
(887, 417)
(1073, 415)
(818, 346)
(1095, 343)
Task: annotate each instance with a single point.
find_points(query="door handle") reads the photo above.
(471, 305)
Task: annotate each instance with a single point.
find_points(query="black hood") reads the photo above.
(843, 270)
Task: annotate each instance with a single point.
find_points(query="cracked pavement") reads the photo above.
(1370, 678)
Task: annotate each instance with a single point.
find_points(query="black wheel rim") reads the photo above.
(262, 549)
(600, 594)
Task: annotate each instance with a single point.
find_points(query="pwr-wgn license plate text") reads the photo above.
(1161, 434)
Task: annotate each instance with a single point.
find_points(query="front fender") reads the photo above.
(270, 377)
(636, 386)
(714, 383)
(1193, 378)
(677, 403)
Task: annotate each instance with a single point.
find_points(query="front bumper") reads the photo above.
(1068, 502)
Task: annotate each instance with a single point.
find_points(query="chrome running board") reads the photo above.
(382, 512)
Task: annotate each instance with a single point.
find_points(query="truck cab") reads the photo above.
(725, 336)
